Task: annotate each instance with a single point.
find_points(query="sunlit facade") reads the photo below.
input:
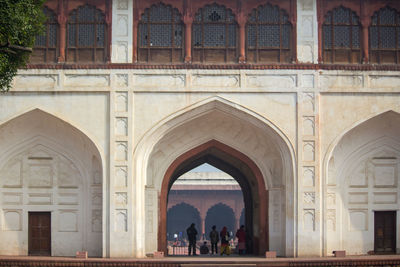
(297, 100)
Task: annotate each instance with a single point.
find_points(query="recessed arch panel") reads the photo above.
(52, 167)
(362, 176)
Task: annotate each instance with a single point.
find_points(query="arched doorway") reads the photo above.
(235, 140)
(179, 218)
(50, 174)
(238, 166)
(221, 215)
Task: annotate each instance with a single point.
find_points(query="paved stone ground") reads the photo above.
(209, 258)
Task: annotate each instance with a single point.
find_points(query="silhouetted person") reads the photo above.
(192, 233)
(241, 235)
(225, 241)
(214, 238)
(204, 249)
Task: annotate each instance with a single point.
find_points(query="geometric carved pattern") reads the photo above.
(122, 25)
(384, 36)
(121, 80)
(308, 151)
(121, 127)
(121, 198)
(309, 197)
(309, 219)
(308, 103)
(121, 176)
(121, 151)
(308, 126)
(86, 29)
(214, 27)
(331, 220)
(121, 223)
(122, 5)
(269, 30)
(341, 32)
(331, 199)
(121, 102)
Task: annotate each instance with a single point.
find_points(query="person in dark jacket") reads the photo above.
(192, 233)
(214, 238)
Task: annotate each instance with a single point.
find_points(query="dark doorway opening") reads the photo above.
(39, 234)
(243, 170)
(220, 215)
(385, 232)
(179, 218)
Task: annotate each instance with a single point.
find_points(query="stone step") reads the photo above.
(218, 265)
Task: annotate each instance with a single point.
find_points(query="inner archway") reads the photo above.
(221, 215)
(242, 169)
(179, 218)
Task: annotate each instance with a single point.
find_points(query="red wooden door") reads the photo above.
(39, 231)
(385, 231)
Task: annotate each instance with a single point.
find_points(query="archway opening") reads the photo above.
(239, 167)
(216, 198)
(221, 215)
(179, 217)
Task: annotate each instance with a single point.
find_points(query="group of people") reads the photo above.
(215, 237)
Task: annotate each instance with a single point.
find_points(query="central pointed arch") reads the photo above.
(240, 131)
(247, 174)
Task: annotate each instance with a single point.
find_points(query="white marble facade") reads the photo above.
(92, 147)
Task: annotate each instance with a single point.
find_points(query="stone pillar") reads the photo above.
(242, 18)
(307, 31)
(203, 227)
(121, 224)
(365, 22)
(188, 20)
(121, 39)
(109, 27)
(309, 211)
(365, 41)
(62, 21)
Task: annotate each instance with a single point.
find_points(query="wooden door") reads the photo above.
(39, 231)
(385, 231)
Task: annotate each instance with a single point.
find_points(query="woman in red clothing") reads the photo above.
(241, 235)
(224, 234)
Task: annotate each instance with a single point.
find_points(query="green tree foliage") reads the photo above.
(20, 22)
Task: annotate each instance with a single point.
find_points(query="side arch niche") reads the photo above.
(235, 140)
(49, 166)
(362, 178)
